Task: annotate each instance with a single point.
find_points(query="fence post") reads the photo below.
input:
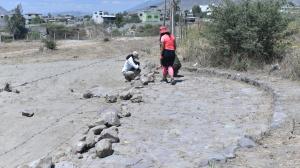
(0, 38)
(78, 35)
(65, 36)
(54, 36)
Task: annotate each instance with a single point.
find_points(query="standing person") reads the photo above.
(131, 68)
(168, 48)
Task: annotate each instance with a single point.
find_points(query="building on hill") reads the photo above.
(103, 17)
(151, 15)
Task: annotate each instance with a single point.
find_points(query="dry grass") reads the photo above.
(195, 48)
(291, 65)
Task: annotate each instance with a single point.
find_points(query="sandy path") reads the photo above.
(57, 110)
(184, 125)
(177, 126)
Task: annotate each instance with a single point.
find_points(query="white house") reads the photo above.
(206, 9)
(3, 13)
(102, 17)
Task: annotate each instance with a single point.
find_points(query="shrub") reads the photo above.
(195, 48)
(148, 30)
(16, 23)
(106, 39)
(50, 44)
(291, 65)
(247, 30)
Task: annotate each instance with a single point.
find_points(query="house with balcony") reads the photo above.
(101, 17)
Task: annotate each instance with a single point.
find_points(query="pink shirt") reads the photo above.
(168, 41)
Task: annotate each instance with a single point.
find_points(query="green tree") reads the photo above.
(87, 17)
(290, 3)
(119, 20)
(134, 18)
(16, 23)
(197, 11)
(248, 31)
(37, 20)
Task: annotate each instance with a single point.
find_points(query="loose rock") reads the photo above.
(80, 147)
(246, 143)
(137, 99)
(229, 152)
(110, 116)
(124, 112)
(98, 129)
(27, 113)
(111, 134)
(42, 163)
(145, 80)
(137, 84)
(104, 148)
(88, 95)
(99, 121)
(111, 99)
(65, 164)
(126, 95)
(90, 139)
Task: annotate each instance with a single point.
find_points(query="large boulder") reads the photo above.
(104, 148)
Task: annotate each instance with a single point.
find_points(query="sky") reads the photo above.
(55, 6)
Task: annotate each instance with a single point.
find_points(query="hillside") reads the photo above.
(2, 10)
(185, 4)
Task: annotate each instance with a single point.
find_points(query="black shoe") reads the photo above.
(164, 80)
(173, 82)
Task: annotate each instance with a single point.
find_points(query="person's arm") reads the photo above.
(174, 38)
(131, 62)
(162, 44)
(162, 47)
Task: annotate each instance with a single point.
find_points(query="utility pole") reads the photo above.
(165, 14)
(173, 14)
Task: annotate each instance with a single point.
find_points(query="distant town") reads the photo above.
(101, 23)
(125, 23)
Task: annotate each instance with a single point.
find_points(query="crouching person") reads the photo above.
(131, 67)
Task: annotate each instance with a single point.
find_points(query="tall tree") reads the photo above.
(16, 23)
(119, 20)
(197, 11)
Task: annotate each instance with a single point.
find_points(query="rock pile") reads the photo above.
(101, 134)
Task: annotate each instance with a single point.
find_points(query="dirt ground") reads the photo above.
(176, 126)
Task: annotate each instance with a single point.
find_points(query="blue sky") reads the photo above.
(53, 6)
